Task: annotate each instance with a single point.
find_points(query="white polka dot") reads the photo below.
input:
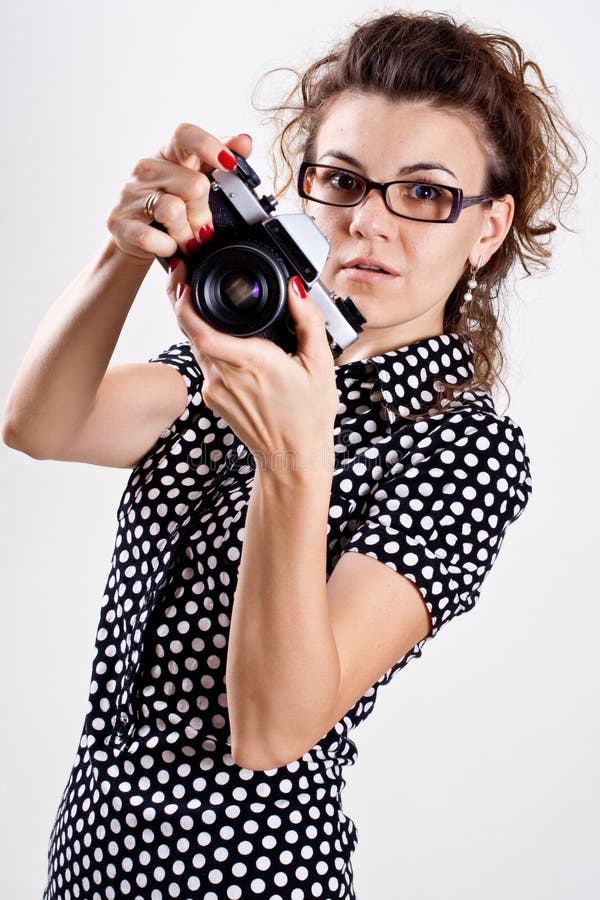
(157, 807)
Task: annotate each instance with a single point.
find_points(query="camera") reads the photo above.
(239, 278)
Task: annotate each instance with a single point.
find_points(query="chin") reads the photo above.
(381, 323)
(382, 311)
(388, 308)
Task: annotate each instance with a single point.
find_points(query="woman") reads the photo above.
(295, 527)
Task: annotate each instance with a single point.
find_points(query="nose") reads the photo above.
(372, 218)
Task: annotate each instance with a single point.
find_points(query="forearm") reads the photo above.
(283, 667)
(67, 358)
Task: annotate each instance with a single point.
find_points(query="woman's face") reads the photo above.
(386, 140)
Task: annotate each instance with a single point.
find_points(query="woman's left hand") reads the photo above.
(282, 406)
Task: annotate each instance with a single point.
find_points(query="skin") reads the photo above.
(300, 652)
(278, 403)
(382, 137)
(303, 650)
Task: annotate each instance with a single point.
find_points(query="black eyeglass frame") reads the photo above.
(459, 201)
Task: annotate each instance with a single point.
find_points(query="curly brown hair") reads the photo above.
(532, 149)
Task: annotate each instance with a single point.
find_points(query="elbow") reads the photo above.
(9, 434)
(13, 438)
(251, 761)
(253, 755)
(260, 754)
(258, 759)
(260, 749)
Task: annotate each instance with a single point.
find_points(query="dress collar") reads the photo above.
(407, 375)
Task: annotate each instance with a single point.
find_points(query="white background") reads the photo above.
(476, 776)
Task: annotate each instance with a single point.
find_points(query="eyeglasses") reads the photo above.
(422, 201)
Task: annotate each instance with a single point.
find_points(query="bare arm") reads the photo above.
(303, 650)
(55, 408)
(58, 379)
(282, 663)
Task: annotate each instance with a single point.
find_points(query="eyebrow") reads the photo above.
(405, 170)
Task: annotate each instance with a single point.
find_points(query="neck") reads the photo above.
(375, 341)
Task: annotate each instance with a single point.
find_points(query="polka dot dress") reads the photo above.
(155, 806)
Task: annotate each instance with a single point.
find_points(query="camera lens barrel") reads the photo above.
(241, 288)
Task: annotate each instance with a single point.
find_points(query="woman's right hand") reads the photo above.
(180, 170)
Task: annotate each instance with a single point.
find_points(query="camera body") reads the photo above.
(239, 278)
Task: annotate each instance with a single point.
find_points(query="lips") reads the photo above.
(367, 271)
(369, 264)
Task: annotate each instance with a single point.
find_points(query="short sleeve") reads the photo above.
(188, 455)
(181, 357)
(439, 514)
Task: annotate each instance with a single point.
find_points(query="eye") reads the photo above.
(424, 192)
(341, 181)
(330, 184)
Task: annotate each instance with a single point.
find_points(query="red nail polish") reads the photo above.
(172, 263)
(298, 287)
(180, 290)
(227, 160)
(191, 246)
(205, 233)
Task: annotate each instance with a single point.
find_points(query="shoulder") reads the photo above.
(469, 450)
(447, 490)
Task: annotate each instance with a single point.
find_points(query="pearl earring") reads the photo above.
(471, 285)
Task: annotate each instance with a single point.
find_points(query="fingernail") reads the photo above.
(298, 287)
(172, 263)
(227, 160)
(180, 290)
(205, 233)
(192, 245)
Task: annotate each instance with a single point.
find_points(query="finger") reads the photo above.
(183, 208)
(187, 318)
(238, 351)
(133, 232)
(192, 186)
(177, 288)
(241, 143)
(198, 210)
(195, 148)
(309, 322)
(171, 211)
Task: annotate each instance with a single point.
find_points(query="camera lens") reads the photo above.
(241, 289)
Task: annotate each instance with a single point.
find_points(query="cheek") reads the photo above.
(328, 219)
(441, 249)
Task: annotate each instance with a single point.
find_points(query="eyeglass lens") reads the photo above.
(416, 199)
